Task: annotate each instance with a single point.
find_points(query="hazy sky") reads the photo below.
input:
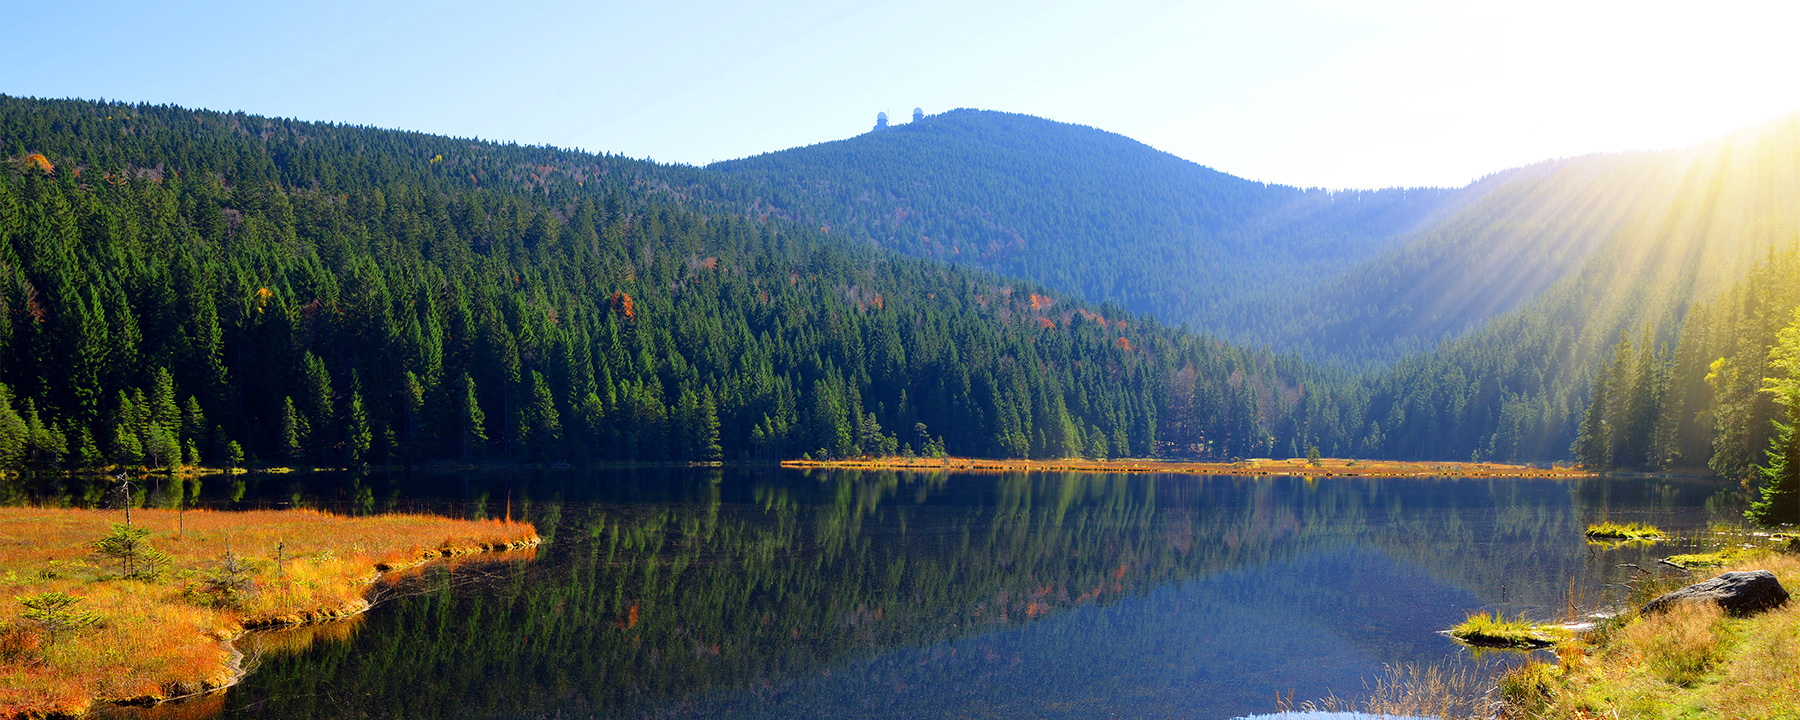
(1335, 94)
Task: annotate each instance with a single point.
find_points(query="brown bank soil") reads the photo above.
(169, 634)
(1327, 467)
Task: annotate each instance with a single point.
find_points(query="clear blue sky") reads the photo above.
(1331, 94)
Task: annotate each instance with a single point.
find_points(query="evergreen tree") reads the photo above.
(543, 425)
(706, 444)
(1593, 442)
(293, 431)
(357, 435)
(1779, 499)
(15, 435)
(471, 421)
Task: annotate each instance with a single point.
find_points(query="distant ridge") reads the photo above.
(1084, 210)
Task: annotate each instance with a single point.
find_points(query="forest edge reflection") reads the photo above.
(667, 588)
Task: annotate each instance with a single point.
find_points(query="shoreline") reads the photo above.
(314, 616)
(1296, 467)
(171, 634)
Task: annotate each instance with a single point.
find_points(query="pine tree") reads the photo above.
(1779, 500)
(471, 421)
(14, 434)
(357, 435)
(543, 425)
(1592, 446)
(317, 405)
(293, 431)
(193, 422)
(707, 436)
(87, 453)
(163, 412)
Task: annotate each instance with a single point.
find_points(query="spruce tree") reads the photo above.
(1779, 500)
(544, 426)
(707, 435)
(1592, 445)
(14, 434)
(357, 435)
(471, 421)
(293, 431)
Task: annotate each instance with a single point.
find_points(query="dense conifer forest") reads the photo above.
(180, 285)
(185, 285)
(1718, 395)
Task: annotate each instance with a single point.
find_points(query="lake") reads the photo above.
(788, 594)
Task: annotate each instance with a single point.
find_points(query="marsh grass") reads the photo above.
(1691, 561)
(165, 636)
(1488, 630)
(1454, 691)
(1692, 661)
(1607, 530)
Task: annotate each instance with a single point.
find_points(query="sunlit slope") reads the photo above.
(1080, 209)
(1520, 232)
(1512, 388)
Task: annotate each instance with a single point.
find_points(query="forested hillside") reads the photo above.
(187, 283)
(1356, 279)
(1517, 386)
(1079, 209)
(179, 283)
(1700, 399)
(1520, 232)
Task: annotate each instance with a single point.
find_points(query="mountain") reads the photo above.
(1357, 279)
(178, 283)
(1079, 209)
(1668, 230)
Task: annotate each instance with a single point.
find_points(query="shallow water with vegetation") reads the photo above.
(778, 594)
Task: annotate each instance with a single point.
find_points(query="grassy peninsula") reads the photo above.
(1317, 467)
(94, 610)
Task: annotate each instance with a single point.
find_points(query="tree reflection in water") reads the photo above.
(838, 594)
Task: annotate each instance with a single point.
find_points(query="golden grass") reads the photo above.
(1326, 467)
(1457, 691)
(162, 638)
(1689, 662)
(1488, 630)
(1626, 531)
(1705, 560)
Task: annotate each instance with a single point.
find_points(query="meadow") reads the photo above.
(155, 618)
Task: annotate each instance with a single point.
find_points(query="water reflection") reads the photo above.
(787, 594)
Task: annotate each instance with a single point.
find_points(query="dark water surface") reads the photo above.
(785, 594)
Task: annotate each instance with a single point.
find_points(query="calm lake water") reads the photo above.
(787, 594)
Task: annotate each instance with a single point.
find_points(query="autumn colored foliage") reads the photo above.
(162, 636)
(621, 302)
(40, 162)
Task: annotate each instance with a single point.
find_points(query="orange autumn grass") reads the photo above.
(1325, 467)
(160, 638)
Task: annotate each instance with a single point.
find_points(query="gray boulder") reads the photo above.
(1736, 592)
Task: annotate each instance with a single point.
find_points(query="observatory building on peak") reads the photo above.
(881, 119)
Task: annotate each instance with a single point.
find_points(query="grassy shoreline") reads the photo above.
(1325, 467)
(168, 633)
(1692, 661)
